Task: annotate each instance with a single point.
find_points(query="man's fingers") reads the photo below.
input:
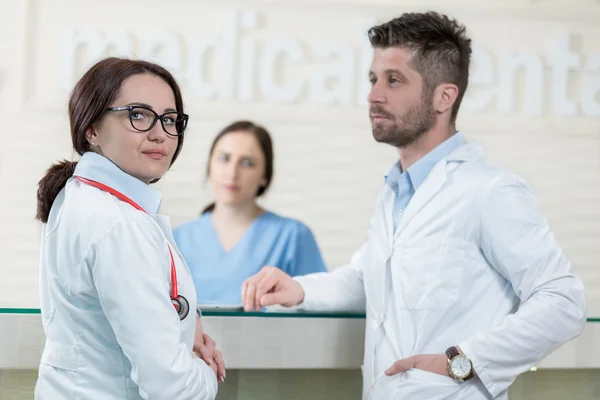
(249, 289)
(265, 286)
(401, 366)
(220, 365)
(396, 368)
(270, 298)
(250, 294)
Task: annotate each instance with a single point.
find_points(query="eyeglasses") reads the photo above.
(143, 119)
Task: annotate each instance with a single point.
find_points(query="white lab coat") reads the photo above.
(112, 332)
(470, 247)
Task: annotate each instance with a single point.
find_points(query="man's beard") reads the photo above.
(413, 124)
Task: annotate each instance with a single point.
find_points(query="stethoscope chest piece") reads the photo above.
(181, 306)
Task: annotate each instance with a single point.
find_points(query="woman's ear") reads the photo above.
(91, 136)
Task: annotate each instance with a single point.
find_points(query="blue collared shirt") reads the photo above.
(405, 183)
(100, 169)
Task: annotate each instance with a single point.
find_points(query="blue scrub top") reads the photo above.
(270, 240)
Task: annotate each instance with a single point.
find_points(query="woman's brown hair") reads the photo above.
(90, 98)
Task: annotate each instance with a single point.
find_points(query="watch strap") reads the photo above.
(452, 352)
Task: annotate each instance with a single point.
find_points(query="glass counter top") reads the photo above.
(224, 313)
(262, 314)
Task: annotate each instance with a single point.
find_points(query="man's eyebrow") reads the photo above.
(391, 71)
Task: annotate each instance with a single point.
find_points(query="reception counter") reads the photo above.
(268, 340)
(256, 340)
(302, 350)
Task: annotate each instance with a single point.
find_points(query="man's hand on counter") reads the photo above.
(271, 286)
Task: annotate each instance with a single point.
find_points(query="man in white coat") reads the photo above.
(464, 284)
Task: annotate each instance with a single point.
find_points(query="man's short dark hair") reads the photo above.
(441, 49)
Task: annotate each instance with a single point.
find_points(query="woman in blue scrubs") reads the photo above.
(234, 237)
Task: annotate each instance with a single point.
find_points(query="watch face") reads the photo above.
(461, 366)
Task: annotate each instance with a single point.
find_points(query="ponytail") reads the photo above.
(50, 185)
(208, 208)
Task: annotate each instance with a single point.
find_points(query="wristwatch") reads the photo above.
(459, 365)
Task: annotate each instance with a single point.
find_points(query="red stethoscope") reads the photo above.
(179, 302)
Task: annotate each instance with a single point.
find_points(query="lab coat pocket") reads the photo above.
(60, 356)
(418, 384)
(427, 273)
(427, 376)
(57, 375)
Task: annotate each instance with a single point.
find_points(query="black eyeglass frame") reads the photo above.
(157, 117)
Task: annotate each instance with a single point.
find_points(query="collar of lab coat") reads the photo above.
(100, 169)
(467, 152)
(417, 172)
(436, 179)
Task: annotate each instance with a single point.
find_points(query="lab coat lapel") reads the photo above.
(428, 189)
(436, 180)
(388, 215)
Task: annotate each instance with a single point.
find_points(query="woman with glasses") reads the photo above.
(118, 302)
(235, 237)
